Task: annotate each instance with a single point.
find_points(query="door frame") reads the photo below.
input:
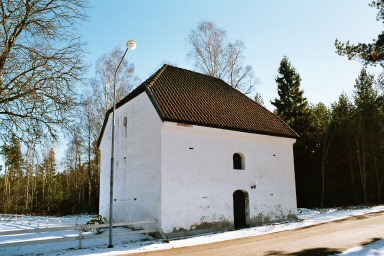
(245, 220)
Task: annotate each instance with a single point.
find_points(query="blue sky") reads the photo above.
(303, 30)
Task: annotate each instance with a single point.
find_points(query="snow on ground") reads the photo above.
(373, 249)
(137, 243)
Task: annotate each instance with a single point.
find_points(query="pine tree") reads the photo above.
(291, 105)
(343, 156)
(368, 53)
(322, 137)
(49, 165)
(14, 176)
(368, 135)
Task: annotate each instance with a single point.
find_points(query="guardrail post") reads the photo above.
(46, 223)
(59, 220)
(146, 234)
(80, 238)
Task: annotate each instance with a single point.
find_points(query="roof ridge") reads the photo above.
(198, 73)
(157, 75)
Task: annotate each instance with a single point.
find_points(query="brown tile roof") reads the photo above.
(189, 97)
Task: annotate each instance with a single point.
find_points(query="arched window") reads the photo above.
(238, 161)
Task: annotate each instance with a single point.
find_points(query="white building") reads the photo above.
(196, 155)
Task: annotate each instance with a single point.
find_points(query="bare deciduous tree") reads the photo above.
(214, 55)
(102, 83)
(40, 64)
(259, 99)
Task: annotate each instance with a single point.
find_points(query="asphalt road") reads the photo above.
(323, 239)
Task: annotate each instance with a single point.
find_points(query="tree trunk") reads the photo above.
(351, 173)
(89, 170)
(361, 164)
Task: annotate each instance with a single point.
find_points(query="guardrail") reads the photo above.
(40, 220)
(79, 237)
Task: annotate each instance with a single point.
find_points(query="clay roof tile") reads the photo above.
(185, 96)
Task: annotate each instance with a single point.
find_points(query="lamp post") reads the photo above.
(131, 45)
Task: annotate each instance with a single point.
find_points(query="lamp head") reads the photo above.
(131, 44)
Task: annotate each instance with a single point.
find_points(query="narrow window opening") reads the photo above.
(238, 162)
(125, 124)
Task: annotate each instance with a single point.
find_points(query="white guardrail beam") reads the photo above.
(79, 237)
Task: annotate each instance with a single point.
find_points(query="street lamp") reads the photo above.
(131, 45)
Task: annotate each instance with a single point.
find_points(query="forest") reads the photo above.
(338, 156)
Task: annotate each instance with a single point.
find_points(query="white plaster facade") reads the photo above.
(183, 176)
(137, 171)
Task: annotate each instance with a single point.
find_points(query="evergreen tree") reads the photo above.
(365, 132)
(367, 53)
(367, 135)
(343, 156)
(13, 175)
(321, 137)
(365, 95)
(52, 194)
(291, 105)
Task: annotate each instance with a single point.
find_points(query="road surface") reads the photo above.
(323, 239)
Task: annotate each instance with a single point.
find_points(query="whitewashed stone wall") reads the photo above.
(183, 176)
(198, 179)
(137, 162)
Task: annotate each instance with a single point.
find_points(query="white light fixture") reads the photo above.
(131, 44)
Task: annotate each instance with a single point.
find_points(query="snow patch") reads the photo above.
(373, 249)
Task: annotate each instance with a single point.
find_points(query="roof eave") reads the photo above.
(295, 136)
